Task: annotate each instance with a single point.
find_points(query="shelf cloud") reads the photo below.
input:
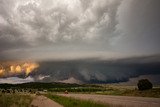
(67, 30)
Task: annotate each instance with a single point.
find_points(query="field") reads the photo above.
(130, 91)
(15, 100)
(111, 90)
(117, 101)
(22, 95)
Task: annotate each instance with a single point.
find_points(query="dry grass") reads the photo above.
(15, 100)
(155, 92)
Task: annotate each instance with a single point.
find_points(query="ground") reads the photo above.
(119, 100)
(42, 101)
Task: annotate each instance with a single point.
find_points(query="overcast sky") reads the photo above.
(67, 29)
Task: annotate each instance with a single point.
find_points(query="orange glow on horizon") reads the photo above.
(30, 68)
(1, 72)
(12, 69)
(18, 68)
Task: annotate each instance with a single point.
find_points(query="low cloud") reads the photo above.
(97, 70)
(92, 70)
(16, 80)
(133, 81)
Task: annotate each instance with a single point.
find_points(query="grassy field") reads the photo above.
(112, 90)
(15, 100)
(71, 102)
(118, 90)
(126, 91)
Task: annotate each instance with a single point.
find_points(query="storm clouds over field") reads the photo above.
(80, 40)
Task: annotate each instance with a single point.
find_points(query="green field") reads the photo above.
(71, 102)
(15, 100)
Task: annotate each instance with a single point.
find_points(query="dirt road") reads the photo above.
(119, 100)
(42, 101)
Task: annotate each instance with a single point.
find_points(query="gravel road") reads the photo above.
(119, 100)
(42, 101)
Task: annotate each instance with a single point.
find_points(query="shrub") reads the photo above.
(144, 84)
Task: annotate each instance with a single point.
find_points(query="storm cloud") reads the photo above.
(56, 33)
(97, 71)
(33, 28)
(91, 70)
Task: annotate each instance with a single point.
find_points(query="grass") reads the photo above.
(146, 93)
(15, 100)
(118, 90)
(112, 90)
(155, 92)
(72, 102)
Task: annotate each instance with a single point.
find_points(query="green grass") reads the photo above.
(15, 100)
(71, 102)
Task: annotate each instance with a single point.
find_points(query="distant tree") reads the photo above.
(144, 84)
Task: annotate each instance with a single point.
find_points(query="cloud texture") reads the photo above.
(48, 27)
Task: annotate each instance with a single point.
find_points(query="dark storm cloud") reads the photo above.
(97, 71)
(91, 70)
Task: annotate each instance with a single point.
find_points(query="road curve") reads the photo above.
(42, 101)
(119, 100)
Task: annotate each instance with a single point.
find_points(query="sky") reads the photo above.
(70, 29)
(49, 30)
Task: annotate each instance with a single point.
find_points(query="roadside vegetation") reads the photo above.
(15, 100)
(72, 102)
